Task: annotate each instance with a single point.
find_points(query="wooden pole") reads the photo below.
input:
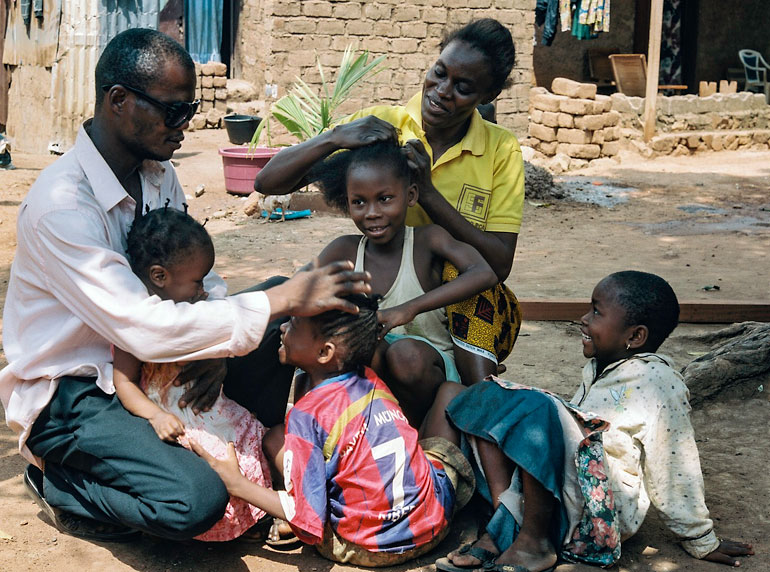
(653, 68)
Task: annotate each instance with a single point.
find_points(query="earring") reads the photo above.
(628, 346)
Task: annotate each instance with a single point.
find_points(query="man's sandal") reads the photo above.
(74, 525)
(483, 555)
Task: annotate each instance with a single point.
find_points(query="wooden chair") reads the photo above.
(630, 71)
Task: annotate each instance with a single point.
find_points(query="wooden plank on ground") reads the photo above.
(690, 312)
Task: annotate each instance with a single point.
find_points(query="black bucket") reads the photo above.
(241, 128)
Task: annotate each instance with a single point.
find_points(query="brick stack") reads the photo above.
(573, 120)
(212, 91)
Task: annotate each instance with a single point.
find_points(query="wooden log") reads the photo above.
(690, 312)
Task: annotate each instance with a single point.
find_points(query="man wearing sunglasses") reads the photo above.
(98, 472)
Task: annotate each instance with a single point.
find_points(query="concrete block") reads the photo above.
(591, 122)
(611, 133)
(206, 105)
(316, 9)
(536, 115)
(240, 90)
(548, 147)
(220, 81)
(207, 81)
(207, 94)
(220, 104)
(573, 89)
(610, 148)
(577, 136)
(611, 118)
(598, 137)
(602, 104)
(542, 132)
(587, 151)
(560, 163)
(220, 94)
(550, 118)
(214, 117)
(625, 104)
(566, 120)
(198, 121)
(547, 101)
(576, 106)
(693, 141)
(664, 144)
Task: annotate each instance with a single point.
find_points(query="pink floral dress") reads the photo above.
(226, 421)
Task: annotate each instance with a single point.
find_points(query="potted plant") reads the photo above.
(302, 112)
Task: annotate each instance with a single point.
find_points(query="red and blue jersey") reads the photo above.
(352, 459)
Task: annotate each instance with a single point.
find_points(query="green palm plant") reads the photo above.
(306, 114)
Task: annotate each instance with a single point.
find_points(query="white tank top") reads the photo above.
(430, 325)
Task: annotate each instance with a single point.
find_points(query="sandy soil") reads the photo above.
(697, 221)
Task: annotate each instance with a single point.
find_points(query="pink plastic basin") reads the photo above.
(241, 166)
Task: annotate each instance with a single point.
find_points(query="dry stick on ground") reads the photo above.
(741, 354)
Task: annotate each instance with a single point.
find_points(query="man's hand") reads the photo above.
(727, 552)
(363, 131)
(207, 377)
(318, 290)
(167, 426)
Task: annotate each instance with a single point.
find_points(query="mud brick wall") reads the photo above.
(573, 120)
(687, 124)
(278, 40)
(211, 89)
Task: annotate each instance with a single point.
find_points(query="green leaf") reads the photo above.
(305, 113)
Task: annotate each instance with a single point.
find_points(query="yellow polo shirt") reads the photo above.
(482, 176)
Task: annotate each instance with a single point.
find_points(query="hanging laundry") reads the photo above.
(37, 8)
(565, 14)
(547, 15)
(596, 14)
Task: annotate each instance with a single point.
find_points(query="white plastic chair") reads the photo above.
(755, 68)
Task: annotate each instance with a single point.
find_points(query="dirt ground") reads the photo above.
(699, 221)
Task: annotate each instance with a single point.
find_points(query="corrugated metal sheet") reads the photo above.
(36, 45)
(86, 27)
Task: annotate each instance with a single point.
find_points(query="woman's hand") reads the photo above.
(727, 552)
(363, 131)
(392, 317)
(207, 376)
(167, 426)
(227, 468)
(420, 163)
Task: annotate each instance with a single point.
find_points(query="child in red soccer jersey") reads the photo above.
(361, 484)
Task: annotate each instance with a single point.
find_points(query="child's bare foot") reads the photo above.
(536, 554)
(476, 554)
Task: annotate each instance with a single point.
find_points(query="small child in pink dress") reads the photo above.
(172, 253)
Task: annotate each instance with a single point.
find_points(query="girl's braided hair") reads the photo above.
(354, 334)
(331, 174)
(163, 236)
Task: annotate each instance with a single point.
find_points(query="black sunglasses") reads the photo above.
(177, 113)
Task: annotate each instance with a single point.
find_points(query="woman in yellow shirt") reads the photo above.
(470, 174)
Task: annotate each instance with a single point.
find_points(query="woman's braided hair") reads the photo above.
(163, 236)
(354, 334)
